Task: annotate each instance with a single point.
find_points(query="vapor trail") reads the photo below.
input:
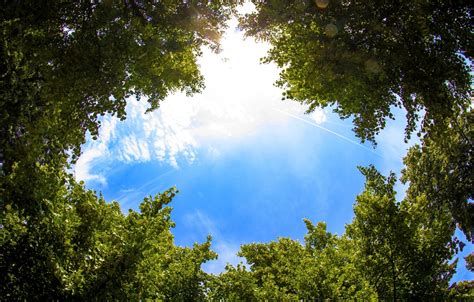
(124, 198)
(327, 130)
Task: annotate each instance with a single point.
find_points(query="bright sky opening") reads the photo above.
(249, 166)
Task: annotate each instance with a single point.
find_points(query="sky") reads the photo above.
(249, 167)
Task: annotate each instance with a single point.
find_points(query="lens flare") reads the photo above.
(330, 30)
(322, 3)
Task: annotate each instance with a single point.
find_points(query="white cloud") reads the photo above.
(318, 115)
(82, 168)
(95, 151)
(238, 100)
(134, 149)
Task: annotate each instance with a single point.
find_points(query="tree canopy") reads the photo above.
(66, 63)
(391, 250)
(364, 58)
(82, 248)
(442, 170)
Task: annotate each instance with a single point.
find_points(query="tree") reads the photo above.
(66, 63)
(381, 234)
(470, 261)
(442, 170)
(391, 250)
(145, 264)
(236, 284)
(464, 289)
(323, 268)
(402, 248)
(82, 247)
(364, 58)
(329, 270)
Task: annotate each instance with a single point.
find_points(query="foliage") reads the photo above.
(390, 250)
(81, 247)
(65, 63)
(404, 248)
(470, 262)
(365, 57)
(237, 284)
(442, 170)
(463, 289)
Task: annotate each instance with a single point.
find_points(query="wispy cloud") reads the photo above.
(237, 100)
(201, 223)
(326, 130)
(226, 250)
(227, 255)
(94, 153)
(127, 197)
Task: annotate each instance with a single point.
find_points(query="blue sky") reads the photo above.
(249, 167)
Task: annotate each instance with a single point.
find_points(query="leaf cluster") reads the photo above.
(365, 58)
(66, 63)
(391, 250)
(79, 247)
